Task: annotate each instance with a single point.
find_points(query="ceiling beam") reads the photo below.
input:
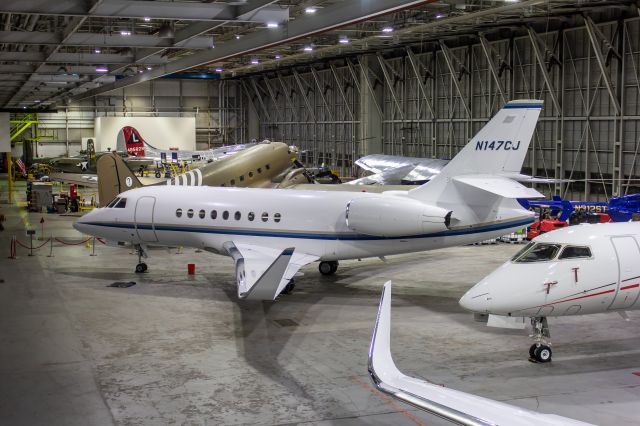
(80, 58)
(342, 14)
(175, 10)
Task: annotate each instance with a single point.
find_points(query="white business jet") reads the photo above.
(271, 233)
(456, 406)
(584, 269)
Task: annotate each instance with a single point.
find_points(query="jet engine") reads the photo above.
(395, 217)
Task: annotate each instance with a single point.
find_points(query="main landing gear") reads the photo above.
(288, 289)
(540, 351)
(328, 268)
(141, 266)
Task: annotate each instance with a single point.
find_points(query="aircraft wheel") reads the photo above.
(157, 174)
(288, 289)
(328, 268)
(543, 353)
(141, 267)
(532, 351)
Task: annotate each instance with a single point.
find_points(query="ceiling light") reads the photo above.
(149, 68)
(254, 62)
(387, 30)
(278, 56)
(102, 69)
(166, 31)
(97, 50)
(37, 101)
(310, 10)
(146, 19)
(439, 15)
(125, 33)
(63, 70)
(218, 70)
(343, 40)
(272, 25)
(308, 48)
(237, 36)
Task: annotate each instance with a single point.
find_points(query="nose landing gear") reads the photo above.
(141, 266)
(540, 351)
(328, 268)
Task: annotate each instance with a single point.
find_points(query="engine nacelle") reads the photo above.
(395, 217)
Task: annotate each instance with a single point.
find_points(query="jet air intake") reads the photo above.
(395, 217)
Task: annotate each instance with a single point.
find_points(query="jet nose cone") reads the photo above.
(476, 301)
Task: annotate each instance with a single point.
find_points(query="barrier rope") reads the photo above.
(71, 244)
(101, 240)
(34, 248)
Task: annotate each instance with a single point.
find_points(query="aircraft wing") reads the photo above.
(456, 406)
(263, 272)
(393, 169)
(386, 177)
(75, 178)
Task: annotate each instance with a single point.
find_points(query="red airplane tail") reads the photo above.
(130, 141)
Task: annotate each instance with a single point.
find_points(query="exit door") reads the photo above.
(145, 226)
(628, 272)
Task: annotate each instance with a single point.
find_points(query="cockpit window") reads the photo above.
(575, 252)
(121, 204)
(537, 252)
(113, 202)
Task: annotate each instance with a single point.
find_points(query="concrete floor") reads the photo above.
(175, 349)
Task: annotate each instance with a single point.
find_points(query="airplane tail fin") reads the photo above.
(114, 177)
(130, 142)
(496, 152)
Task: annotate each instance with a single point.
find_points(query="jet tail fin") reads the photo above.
(114, 177)
(499, 148)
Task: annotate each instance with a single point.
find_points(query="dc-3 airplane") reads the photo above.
(584, 269)
(456, 406)
(272, 233)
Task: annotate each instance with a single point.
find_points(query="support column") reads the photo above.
(370, 114)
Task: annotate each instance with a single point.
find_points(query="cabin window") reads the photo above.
(538, 252)
(190, 213)
(242, 178)
(265, 216)
(225, 215)
(202, 214)
(179, 213)
(233, 182)
(251, 216)
(214, 214)
(238, 216)
(259, 169)
(276, 217)
(267, 167)
(250, 174)
(223, 184)
(113, 202)
(121, 204)
(575, 252)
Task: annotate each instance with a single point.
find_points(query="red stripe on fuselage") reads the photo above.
(581, 297)
(627, 287)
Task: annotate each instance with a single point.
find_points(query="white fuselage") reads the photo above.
(313, 222)
(607, 280)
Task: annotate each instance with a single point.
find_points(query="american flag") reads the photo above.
(21, 166)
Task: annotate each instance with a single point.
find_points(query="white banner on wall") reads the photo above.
(5, 142)
(159, 132)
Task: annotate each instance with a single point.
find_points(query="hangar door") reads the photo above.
(144, 219)
(629, 272)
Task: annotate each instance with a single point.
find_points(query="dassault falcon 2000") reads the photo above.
(272, 233)
(584, 269)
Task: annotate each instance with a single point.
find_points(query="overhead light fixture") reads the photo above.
(254, 61)
(97, 50)
(439, 15)
(278, 56)
(387, 29)
(310, 10)
(308, 48)
(166, 31)
(237, 36)
(140, 71)
(343, 40)
(37, 101)
(102, 69)
(149, 68)
(63, 70)
(125, 33)
(218, 69)
(146, 19)
(272, 25)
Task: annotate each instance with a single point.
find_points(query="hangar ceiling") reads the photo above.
(56, 52)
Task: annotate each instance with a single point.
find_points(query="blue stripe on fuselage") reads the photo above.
(309, 236)
(515, 106)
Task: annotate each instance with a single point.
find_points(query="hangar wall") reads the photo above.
(215, 104)
(431, 98)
